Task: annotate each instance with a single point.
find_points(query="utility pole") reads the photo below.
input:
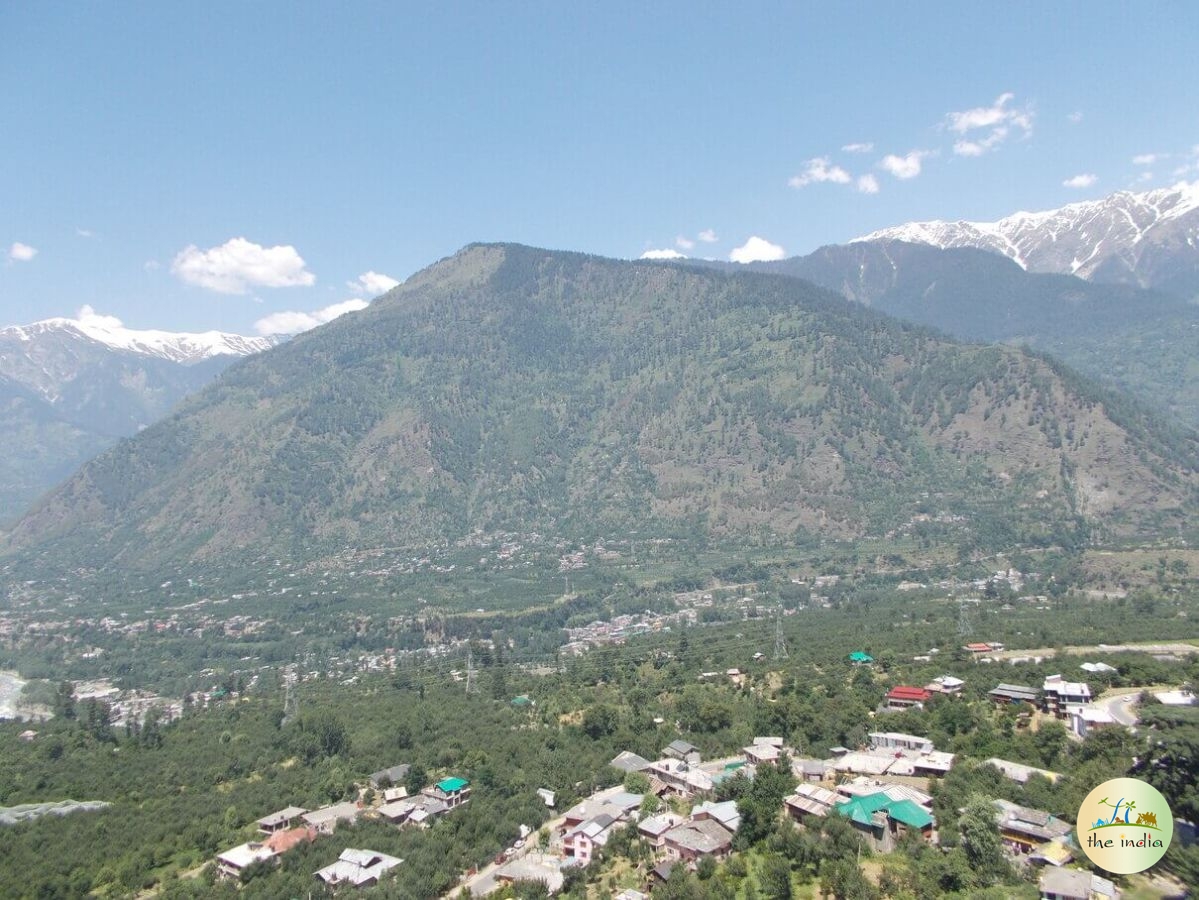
(780, 643)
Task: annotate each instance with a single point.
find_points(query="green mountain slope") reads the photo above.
(508, 388)
(1140, 341)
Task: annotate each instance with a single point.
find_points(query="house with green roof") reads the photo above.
(451, 791)
(885, 820)
(860, 658)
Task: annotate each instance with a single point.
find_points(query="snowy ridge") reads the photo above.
(1080, 238)
(179, 347)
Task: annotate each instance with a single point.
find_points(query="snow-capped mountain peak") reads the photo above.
(179, 347)
(1150, 239)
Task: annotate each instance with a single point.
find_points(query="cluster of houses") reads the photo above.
(1069, 701)
(294, 825)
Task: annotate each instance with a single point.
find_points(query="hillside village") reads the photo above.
(883, 790)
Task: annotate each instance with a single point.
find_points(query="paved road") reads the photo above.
(1121, 706)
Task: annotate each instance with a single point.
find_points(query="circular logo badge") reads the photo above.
(1125, 825)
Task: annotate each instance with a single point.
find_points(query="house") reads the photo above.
(547, 796)
(427, 808)
(281, 820)
(862, 787)
(232, 863)
(359, 868)
(453, 792)
(725, 813)
(397, 812)
(630, 894)
(932, 764)
(654, 828)
(582, 841)
(625, 802)
(684, 751)
(703, 837)
(1090, 718)
(810, 801)
(1014, 694)
(390, 776)
(946, 684)
(874, 762)
(905, 697)
(1061, 697)
(629, 762)
(859, 658)
(895, 740)
(736, 676)
(1075, 884)
(533, 867)
(27, 735)
(761, 753)
(883, 820)
(326, 819)
(681, 778)
(1019, 772)
(811, 770)
(976, 649)
(1024, 829)
(589, 809)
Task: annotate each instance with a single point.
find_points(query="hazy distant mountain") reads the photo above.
(515, 389)
(1148, 239)
(70, 388)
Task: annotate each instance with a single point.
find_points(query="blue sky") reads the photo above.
(211, 165)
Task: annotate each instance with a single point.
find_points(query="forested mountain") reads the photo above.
(1140, 341)
(70, 388)
(1144, 239)
(510, 388)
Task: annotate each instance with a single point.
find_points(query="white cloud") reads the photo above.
(904, 167)
(238, 264)
(293, 322)
(858, 148)
(85, 232)
(868, 184)
(999, 117)
(684, 243)
(708, 236)
(372, 284)
(818, 171)
(1075, 117)
(19, 252)
(88, 316)
(663, 254)
(1144, 176)
(757, 249)
(1080, 181)
(1146, 159)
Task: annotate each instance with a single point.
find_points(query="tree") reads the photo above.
(417, 778)
(775, 877)
(982, 843)
(636, 783)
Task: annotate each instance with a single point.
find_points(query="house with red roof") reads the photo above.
(905, 696)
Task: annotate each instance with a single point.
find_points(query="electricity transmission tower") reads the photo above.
(471, 687)
(291, 701)
(780, 643)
